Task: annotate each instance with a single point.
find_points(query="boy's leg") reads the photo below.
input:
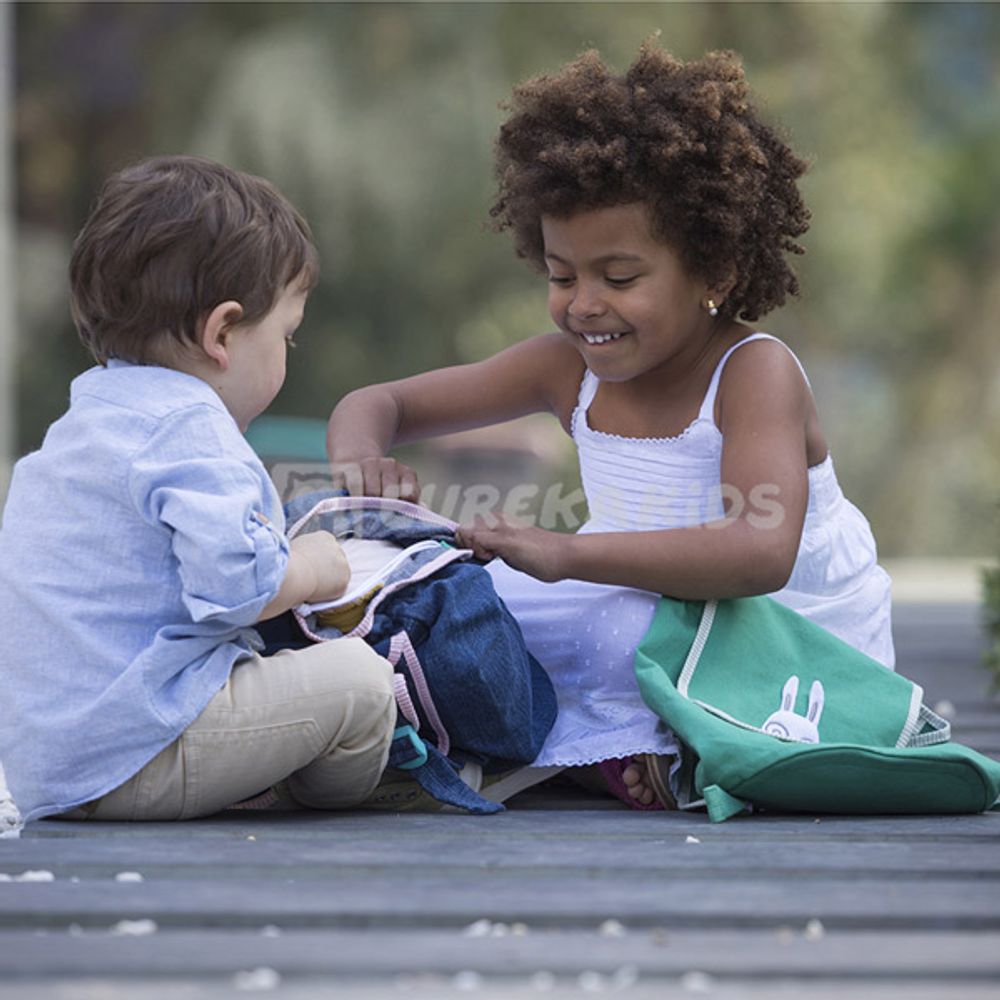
(321, 717)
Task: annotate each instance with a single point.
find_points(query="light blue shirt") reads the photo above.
(138, 547)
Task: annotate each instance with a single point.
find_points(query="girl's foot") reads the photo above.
(634, 780)
(641, 791)
(646, 777)
(635, 776)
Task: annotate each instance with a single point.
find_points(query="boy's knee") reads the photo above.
(359, 667)
(357, 715)
(359, 687)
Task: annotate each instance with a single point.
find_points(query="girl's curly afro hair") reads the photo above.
(680, 137)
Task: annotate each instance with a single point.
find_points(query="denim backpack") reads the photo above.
(467, 689)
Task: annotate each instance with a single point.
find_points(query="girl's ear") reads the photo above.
(721, 289)
(214, 337)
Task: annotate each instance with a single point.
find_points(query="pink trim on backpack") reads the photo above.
(448, 555)
(403, 699)
(403, 507)
(400, 645)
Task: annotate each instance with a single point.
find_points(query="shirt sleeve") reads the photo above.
(197, 479)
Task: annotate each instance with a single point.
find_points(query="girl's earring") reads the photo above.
(713, 309)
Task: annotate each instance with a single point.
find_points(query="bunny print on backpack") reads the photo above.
(786, 724)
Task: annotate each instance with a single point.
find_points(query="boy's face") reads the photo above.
(257, 353)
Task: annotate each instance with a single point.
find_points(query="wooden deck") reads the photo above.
(564, 895)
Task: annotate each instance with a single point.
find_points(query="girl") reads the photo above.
(661, 208)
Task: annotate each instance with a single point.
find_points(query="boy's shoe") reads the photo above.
(277, 798)
(501, 787)
(395, 792)
(398, 792)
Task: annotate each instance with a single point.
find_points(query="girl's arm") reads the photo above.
(764, 407)
(537, 375)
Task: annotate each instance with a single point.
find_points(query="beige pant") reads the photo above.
(321, 717)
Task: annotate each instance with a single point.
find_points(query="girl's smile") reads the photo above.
(595, 339)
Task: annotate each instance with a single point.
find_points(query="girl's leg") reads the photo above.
(585, 636)
(321, 717)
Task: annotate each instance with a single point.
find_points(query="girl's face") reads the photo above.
(621, 295)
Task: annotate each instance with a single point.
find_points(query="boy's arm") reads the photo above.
(538, 375)
(196, 478)
(317, 570)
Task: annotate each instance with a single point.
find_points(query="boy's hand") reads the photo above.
(325, 570)
(317, 571)
(534, 551)
(377, 477)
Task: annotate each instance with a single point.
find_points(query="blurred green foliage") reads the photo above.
(378, 119)
(991, 605)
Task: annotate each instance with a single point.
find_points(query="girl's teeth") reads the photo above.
(600, 338)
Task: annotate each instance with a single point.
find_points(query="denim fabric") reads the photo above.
(494, 698)
(473, 687)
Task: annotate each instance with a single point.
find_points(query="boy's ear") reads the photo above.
(214, 337)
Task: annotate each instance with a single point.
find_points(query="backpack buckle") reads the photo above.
(412, 748)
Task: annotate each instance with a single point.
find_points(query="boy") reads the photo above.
(144, 540)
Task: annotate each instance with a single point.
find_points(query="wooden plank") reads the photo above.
(556, 826)
(431, 986)
(972, 732)
(331, 857)
(374, 905)
(410, 897)
(983, 712)
(915, 957)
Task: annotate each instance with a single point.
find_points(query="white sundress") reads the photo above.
(586, 634)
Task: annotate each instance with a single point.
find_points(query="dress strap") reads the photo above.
(708, 403)
(588, 389)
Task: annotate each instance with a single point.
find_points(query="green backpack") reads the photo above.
(725, 676)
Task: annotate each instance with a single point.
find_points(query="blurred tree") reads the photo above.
(378, 120)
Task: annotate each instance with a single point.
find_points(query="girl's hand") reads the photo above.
(534, 551)
(377, 477)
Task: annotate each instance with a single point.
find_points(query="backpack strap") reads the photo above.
(435, 773)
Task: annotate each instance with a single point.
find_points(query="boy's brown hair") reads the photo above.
(681, 137)
(167, 240)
